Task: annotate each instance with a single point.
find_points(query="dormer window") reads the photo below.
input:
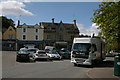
(24, 29)
(10, 30)
(36, 30)
(48, 28)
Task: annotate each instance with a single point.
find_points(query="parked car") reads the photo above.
(49, 48)
(23, 48)
(26, 55)
(54, 55)
(65, 54)
(114, 52)
(41, 54)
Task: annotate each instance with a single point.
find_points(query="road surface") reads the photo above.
(40, 69)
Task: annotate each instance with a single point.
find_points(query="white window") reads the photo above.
(36, 30)
(36, 37)
(48, 37)
(24, 30)
(24, 37)
(10, 36)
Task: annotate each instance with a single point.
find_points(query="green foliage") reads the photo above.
(108, 19)
(7, 22)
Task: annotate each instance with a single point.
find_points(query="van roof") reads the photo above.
(85, 40)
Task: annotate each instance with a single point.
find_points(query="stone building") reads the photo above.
(29, 35)
(9, 39)
(59, 34)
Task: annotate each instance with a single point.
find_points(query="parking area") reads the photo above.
(40, 69)
(53, 69)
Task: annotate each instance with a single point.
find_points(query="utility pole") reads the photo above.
(18, 24)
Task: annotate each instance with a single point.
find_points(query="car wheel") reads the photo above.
(47, 59)
(75, 64)
(93, 63)
(32, 59)
(50, 59)
(60, 58)
(17, 60)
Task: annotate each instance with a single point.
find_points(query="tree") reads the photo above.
(108, 19)
(7, 22)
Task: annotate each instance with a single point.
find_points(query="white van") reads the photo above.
(86, 51)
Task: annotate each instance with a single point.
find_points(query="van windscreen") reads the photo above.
(83, 47)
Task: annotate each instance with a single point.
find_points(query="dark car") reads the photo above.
(26, 55)
(65, 54)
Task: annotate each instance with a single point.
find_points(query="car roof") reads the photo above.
(40, 51)
(49, 47)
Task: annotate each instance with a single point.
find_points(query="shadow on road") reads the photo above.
(100, 65)
(105, 64)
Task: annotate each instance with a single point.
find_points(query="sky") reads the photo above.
(32, 13)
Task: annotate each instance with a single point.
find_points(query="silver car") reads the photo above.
(54, 55)
(41, 55)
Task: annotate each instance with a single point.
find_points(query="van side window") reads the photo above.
(93, 48)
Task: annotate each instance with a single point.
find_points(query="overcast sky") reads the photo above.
(32, 13)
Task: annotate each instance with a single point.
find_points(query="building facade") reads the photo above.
(9, 39)
(29, 35)
(59, 34)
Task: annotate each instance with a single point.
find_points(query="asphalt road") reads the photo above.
(40, 69)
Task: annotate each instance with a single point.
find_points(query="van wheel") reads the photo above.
(93, 63)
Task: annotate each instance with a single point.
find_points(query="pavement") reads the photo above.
(104, 71)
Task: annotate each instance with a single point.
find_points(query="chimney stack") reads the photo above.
(74, 22)
(53, 20)
(18, 23)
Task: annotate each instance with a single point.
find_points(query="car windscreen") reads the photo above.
(22, 52)
(54, 52)
(67, 52)
(63, 50)
(31, 51)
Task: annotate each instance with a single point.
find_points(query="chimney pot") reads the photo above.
(18, 23)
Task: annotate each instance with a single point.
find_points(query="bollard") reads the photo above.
(117, 65)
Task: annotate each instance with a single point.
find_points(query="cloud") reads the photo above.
(13, 8)
(88, 31)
